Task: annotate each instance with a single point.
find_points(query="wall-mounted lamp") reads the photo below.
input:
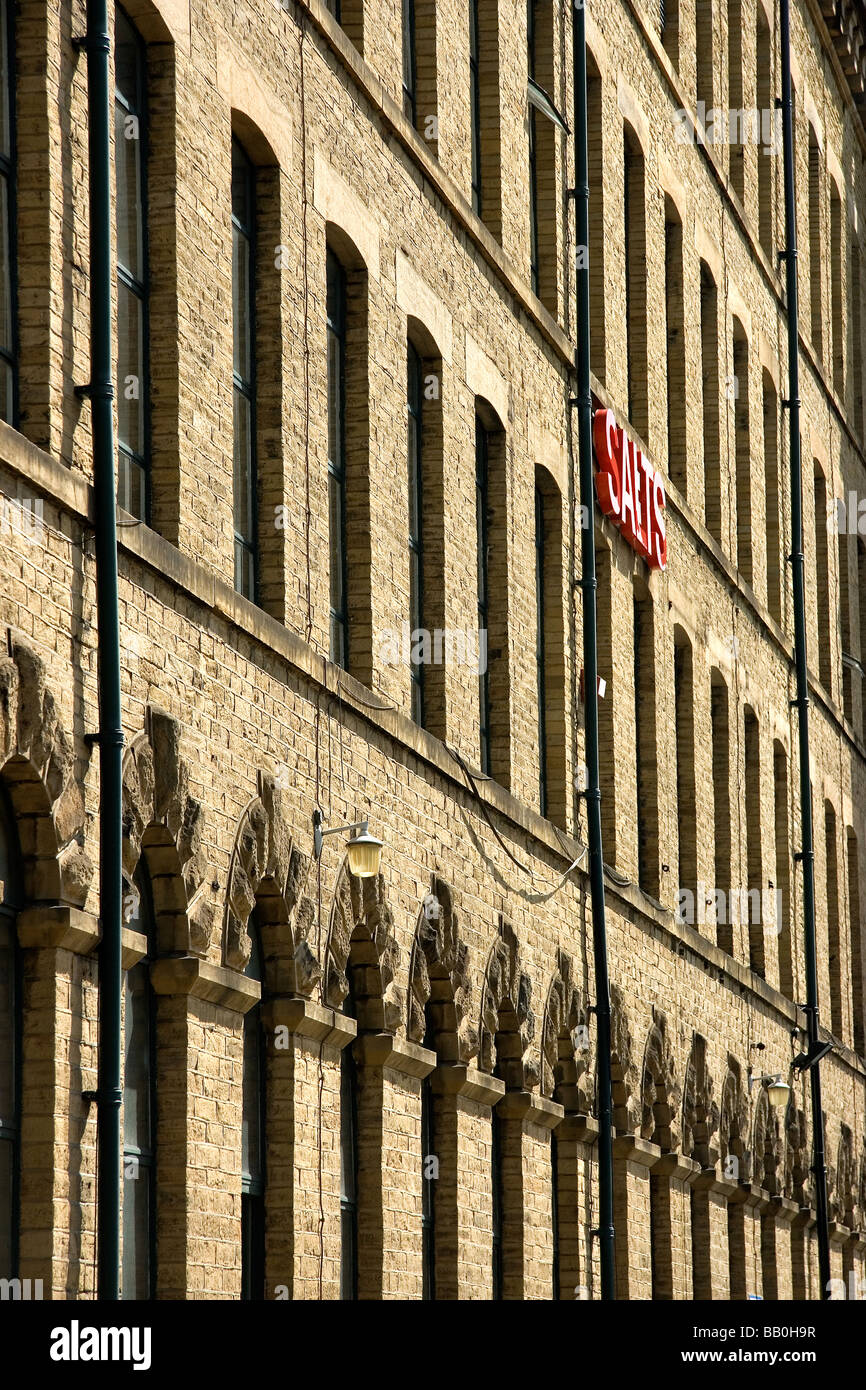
(778, 1090)
(364, 851)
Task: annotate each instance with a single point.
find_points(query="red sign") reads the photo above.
(630, 491)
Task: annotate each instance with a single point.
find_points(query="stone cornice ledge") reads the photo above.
(634, 1150)
(397, 1054)
(530, 1109)
(315, 1022)
(458, 1079)
(59, 928)
(213, 983)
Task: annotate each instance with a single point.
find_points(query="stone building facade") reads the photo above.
(344, 239)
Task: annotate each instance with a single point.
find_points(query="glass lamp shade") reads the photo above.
(365, 853)
(778, 1092)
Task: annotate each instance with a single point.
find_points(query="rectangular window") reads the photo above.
(482, 454)
(336, 310)
(138, 1275)
(8, 316)
(132, 280)
(428, 1151)
(244, 368)
(415, 396)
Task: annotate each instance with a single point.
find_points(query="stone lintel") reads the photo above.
(58, 927)
(309, 1020)
(134, 948)
(635, 1150)
(458, 1079)
(214, 983)
(530, 1109)
(398, 1054)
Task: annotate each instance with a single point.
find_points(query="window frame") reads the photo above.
(534, 238)
(242, 386)
(139, 287)
(348, 1205)
(428, 1193)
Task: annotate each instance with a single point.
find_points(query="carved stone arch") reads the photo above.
(39, 772)
(767, 1145)
(439, 995)
(507, 1021)
(269, 873)
(734, 1121)
(660, 1090)
(700, 1111)
(566, 1076)
(361, 944)
(797, 1176)
(623, 1069)
(845, 1189)
(164, 823)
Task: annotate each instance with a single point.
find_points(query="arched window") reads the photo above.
(721, 756)
(815, 266)
(684, 718)
(834, 936)
(244, 370)
(743, 452)
(139, 1106)
(410, 63)
(549, 647)
(858, 994)
(754, 880)
(822, 578)
(10, 1044)
(349, 520)
(735, 91)
(336, 309)
(484, 112)
(497, 1203)
(348, 1166)
(837, 261)
(705, 68)
(133, 386)
(492, 579)
(646, 749)
(782, 881)
(597, 259)
(634, 217)
(669, 28)
(710, 398)
(675, 356)
(8, 273)
(428, 1191)
(415, 454)
(543, 125)
(253, 1137)
(763, 86)
(772, 495)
